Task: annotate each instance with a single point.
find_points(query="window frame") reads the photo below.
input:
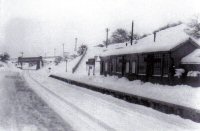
(134, 67)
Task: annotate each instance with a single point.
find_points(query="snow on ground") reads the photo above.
(21, 109)
(87, 110)
(61, 67)
(26, 66)
(193, 73)
(3, 66)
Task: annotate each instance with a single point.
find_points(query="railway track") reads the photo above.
(93, 120)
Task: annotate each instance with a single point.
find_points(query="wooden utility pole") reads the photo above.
(132, 32)
(76, 39)
(107, 30)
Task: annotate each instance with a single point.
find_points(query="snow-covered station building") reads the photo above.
(166, 57)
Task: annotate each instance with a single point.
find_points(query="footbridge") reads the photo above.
(38, 61)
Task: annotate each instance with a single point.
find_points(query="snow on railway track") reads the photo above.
(88, 122)
(88, 110)
(22, 110)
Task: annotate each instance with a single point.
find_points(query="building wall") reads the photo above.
(156, 67)
(136, 66)
(180, 52)
(191, 67)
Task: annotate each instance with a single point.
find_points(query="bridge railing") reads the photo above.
(78, 63)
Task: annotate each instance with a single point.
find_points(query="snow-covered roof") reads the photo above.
(192, 58)
(165, 40)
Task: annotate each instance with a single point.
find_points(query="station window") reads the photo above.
(134, 67)
(127, 67)
(157, 64)
(114, 65)
(166, 64)
(119, 64)
(142, 64)
(106, 66)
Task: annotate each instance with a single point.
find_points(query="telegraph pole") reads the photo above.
(132, 32)
(21, 57)
(107, 30)
(76, 39)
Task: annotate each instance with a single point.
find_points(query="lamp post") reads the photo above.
(21, 57)
(75, 44)
(66, 64)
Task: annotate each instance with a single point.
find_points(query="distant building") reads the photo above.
(154, 58)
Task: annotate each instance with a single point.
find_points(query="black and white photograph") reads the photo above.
(99, 65)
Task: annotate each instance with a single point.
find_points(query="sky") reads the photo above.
(36, 27)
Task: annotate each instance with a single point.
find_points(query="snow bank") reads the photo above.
(179, 72)
(8, 67)
(193, 73)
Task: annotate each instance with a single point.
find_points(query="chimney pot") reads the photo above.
(154, 36)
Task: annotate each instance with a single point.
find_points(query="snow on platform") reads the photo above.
(180, 94)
